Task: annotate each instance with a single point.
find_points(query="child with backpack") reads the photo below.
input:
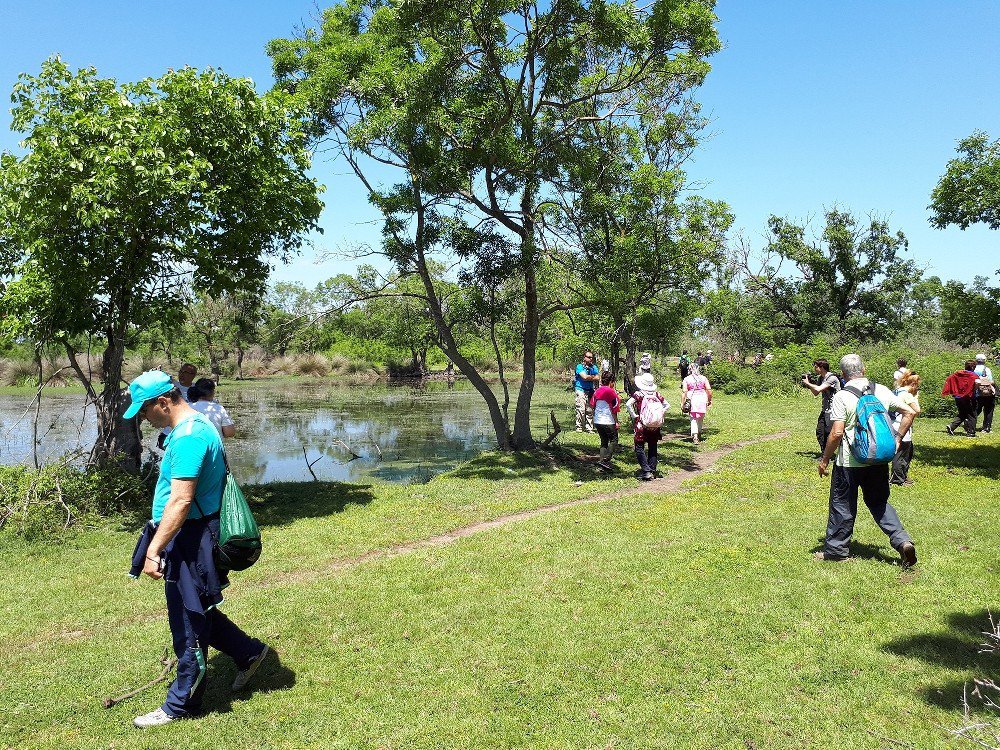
(605, 403)
(907, 390)
(647, 409)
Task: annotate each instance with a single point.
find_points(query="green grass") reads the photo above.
(695, 619)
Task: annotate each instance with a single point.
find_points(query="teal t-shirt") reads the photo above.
(193, 450)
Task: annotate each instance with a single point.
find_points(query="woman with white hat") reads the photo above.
(698, 391)
(646, 407)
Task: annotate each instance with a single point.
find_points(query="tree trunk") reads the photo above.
(631, 352)
(239, 362)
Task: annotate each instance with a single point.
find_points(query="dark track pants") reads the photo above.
(873, 482)
(985, 406)
(966, 415)
(823, 427)
(901, 462)
(192, 634)
(645, 455)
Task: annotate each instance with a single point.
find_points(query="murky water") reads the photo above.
(400, 433)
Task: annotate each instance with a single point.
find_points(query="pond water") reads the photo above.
(400, 433)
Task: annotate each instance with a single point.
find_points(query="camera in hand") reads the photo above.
(806, 377)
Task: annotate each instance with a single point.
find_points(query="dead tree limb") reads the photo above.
(168, 664)
(556, 429)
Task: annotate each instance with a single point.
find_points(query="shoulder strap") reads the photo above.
(852, 390)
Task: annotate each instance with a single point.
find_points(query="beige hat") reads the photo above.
(645, 383)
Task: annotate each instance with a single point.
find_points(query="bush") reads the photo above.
(37, 504)
(782, 374)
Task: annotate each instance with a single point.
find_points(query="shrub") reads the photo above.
(37, 504)
(19, 372)
(312, 364)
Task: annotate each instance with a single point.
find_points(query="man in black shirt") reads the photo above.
(828, 385)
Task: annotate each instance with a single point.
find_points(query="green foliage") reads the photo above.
(782, 374)
(971, 313)
(40, 504)
(969, 191)
(850, 281)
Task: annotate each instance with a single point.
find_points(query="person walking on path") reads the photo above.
(962, 386)
(606, 405)
(909, 387)
(584, 384)
(646, 435)
(696, 389)
(851, 475)
(986, 396)
(201, 396)
(684, 364)
(177, 544)
(828, 386)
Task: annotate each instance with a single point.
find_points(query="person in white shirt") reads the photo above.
(986, 397)
(202, 398)
(851, 475)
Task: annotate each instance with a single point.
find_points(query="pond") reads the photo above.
(404, 433)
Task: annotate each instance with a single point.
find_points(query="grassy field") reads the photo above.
(694, 619)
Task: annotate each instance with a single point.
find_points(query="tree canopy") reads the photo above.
(969, 191)
(129, 194)
(478, 112)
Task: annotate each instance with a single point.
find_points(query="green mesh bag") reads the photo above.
(238, 545)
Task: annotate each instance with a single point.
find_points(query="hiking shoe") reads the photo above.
(908, 553)
(156, 718)
(827, 557)
(648, 476)
(244, 677)
(950, 430)
(987, 431)
(695, 439)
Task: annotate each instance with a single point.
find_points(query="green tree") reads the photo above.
(128, 195)
(637, 244)
(971, 314)
(969, 191)
(850, 280)
(475, 112)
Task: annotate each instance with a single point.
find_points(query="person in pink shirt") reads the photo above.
(605, 403)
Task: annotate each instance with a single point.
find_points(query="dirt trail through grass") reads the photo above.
(700, 462)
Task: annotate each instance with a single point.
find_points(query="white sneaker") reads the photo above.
(244, 677)
(156, 718)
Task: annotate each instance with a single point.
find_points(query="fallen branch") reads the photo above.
(349, 450)
(310, 465)
(376, 446)
(168, 664)
(556, 429)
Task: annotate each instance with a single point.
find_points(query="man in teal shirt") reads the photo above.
(185, 522)
(586, 379)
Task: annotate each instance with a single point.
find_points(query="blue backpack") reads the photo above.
(873, 441)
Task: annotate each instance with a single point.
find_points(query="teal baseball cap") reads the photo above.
(148, 385)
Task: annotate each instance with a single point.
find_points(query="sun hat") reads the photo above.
(645, 383)
(646, 362)
(148, 385)
(980, 357)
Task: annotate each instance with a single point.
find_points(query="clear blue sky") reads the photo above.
(854, 104)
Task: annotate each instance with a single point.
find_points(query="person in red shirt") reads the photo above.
(605, 403)
(962, 385)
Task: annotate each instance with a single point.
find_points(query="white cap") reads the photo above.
(980, 357)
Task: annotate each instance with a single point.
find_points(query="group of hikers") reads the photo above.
(868, 428)
(863, 430)
(597, 404)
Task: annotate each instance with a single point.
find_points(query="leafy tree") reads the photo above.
(969, 191)
(637, 244)
(971, 314)
(850, 279)
(130, 194)
(477, 110)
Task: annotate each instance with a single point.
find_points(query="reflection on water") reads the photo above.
(400, 433)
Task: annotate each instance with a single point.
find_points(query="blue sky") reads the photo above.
(813, 105)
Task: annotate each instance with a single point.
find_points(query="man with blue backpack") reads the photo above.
(864, 441)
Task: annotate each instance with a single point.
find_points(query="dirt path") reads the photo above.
(700, 462)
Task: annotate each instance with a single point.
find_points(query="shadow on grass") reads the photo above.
(219, 697)
(865, 551)
(956, 648)
(280, 503)
(977, 457)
